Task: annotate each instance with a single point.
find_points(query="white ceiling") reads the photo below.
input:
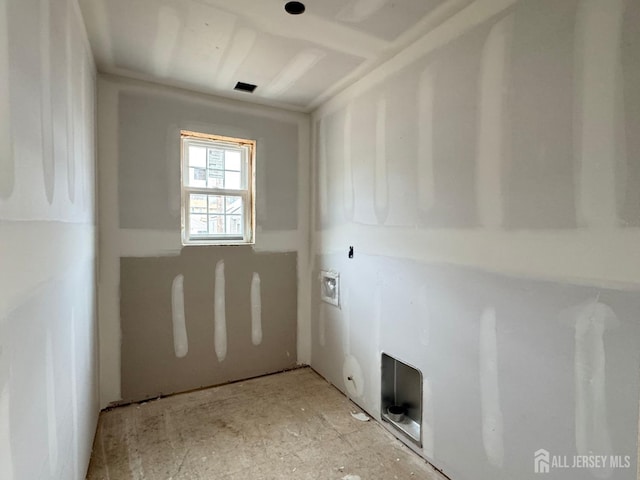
(296, 61)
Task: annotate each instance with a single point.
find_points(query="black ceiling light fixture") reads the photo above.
(245, 87)
(294, 8)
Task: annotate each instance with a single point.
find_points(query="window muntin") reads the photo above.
(217, 189)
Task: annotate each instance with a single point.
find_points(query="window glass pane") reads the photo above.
(198, 224)
(197, 156)
(216, 204)
(232, 180)
(234, 205)
(215, 158)
(232, 160)
(234, 224)
(197, 177)
(198, 203)
(216, 179)
(216, 224)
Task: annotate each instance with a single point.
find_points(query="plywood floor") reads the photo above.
(292, 425)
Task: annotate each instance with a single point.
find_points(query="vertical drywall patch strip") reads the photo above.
(52, 423)
(381, 200)
(492, 422)
(220, 321)
(323, 193)
(426, 187)
(71, 94)
(256, 310)
(74, 395)
(491, 121)
(592, 427)
(6, 455)
(6, 143)
(598, 32)
(48, 165)
(428, 419)
(180, 339)
(348, 167)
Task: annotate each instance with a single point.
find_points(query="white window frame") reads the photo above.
(247, 147)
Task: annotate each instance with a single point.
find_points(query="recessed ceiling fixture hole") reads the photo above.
(245, 87)
(294, 8)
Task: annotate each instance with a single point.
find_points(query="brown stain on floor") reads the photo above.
(292, 425)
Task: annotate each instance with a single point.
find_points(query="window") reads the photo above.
(217, 189)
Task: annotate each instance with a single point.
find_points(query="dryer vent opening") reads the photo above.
(401, 398)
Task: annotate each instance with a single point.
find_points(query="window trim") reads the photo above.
(248, 196)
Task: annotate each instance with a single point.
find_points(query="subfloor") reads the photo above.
(292, 425)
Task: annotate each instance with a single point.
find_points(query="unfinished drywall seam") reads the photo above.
(169, 28)
(505, 252)
(591, 420)
(381, 187)
(71, 95)
(426, 182)
(220, 321)
(428, 419)
(239, 48)
(52, 420)
(81, 134)
(7, 167)
(323, 189)
(46, 119)
(491, 123)
(356, 11)
(256, 310)
(590, 320)
(469, 17)
(6, 454)
(492, 420)
(180, 339)
(349, 194)
(598, 32)
(74, 396)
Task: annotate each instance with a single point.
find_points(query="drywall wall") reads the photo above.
(487, 178)
(146, 285)
(48, 344)
(219, 343)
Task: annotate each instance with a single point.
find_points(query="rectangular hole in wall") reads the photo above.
(401, 400)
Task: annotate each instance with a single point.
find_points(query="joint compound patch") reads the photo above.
(256, 310)
(180, 339)
(220, 321)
